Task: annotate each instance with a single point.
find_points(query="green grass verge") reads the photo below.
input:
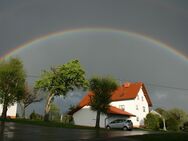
(47, 124)
(172, 136)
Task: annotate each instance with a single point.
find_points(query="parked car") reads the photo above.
(121, 124)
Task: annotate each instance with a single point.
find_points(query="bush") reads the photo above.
(67, 119)
(152, 121)
(172, 124)
(35, 116)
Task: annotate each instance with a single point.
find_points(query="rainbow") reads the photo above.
(61, 33)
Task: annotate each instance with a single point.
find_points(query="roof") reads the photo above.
(125, 92)
(130, 91)
(114, 110)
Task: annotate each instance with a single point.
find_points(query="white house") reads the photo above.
(130, 101)
(11, 112)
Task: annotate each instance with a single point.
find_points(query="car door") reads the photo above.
(113, 124)
(120, 124)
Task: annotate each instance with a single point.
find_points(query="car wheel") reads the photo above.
(108, 127)
(125, 128)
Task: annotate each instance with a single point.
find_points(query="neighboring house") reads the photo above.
(130, 101)
(11, 112)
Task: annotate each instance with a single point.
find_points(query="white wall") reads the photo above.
(11, 110)
(87, 117)
(130, 106)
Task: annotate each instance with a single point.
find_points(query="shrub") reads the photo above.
(35, 116)
(67, 119)
(152, 121)
(172, 124)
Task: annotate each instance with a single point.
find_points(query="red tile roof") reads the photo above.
(125, 92)
(114, 110)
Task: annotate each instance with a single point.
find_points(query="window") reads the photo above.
(122, 107)
(136, 107)
(137, 118)
(142, 98)
(144, 109)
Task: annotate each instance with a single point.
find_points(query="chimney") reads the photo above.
(126, 84)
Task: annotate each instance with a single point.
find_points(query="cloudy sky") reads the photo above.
(127, 39)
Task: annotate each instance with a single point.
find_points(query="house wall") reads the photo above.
(11, 112)
(87, 117)
(135, 106)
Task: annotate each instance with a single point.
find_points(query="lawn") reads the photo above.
(47, 124)
(168, 136)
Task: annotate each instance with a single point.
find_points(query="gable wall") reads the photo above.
(131, 106)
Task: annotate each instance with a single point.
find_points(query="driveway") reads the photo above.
(20, 132)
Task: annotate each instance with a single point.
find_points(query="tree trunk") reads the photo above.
(164, 125)
(4, 112)
(47, 107)
(97, 125)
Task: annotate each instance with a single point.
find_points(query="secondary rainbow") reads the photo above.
(61, 33)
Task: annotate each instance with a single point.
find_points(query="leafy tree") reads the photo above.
(164, 115)
(152, 121)
(173, 119)
(12, 79)
(60, 80)
(29, 97)
(176, 119)
(102, 89)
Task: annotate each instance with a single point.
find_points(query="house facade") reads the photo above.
(129, 101)
(11, 112)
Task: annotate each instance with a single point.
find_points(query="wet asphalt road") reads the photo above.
(21, 132)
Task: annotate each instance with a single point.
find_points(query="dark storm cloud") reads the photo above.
(23, 20)
(164, 20)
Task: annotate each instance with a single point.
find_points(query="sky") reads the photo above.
(129, 40)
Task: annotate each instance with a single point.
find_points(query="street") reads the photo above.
(21, 132)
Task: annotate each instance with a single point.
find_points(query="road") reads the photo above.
(21, 132)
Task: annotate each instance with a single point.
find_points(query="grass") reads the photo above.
(169, 136)
(47, 124)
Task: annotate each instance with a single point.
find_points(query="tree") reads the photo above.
(102, 89)
(29, 97)
(60, 80)
(173, 119)
(164, 115)
(176, 119)
(12, 79)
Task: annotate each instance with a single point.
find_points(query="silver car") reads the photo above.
(121, 123)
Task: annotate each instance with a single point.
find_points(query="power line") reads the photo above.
(33, 76)
(151, 84)
(163, 86)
